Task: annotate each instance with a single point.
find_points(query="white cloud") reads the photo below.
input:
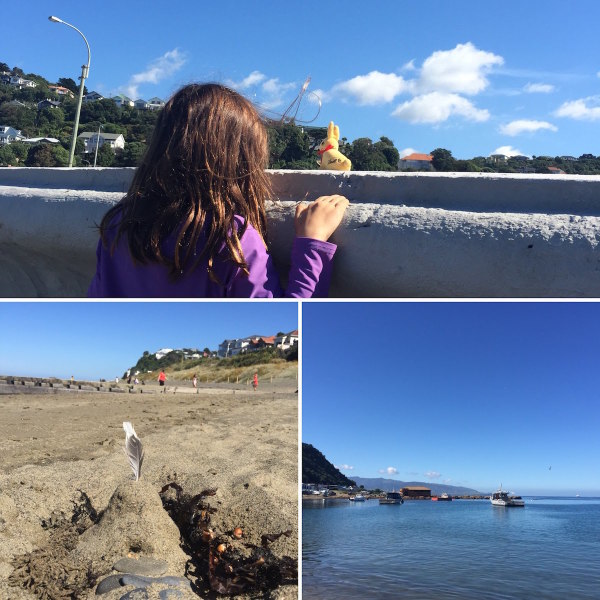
(344, 467)
(507, 151)
(161, 68)
(373, 88)
(275, 92)
(539, 88)
(432, 475)
(525, 126)
(437, 107)
(389, 471)
(461, 70)
(584, 109)
(409, 66)
(406, 152)
(253, 79)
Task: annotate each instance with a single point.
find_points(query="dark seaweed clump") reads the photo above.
(216, 562)
(49, 572)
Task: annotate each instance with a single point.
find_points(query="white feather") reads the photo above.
(133, 449)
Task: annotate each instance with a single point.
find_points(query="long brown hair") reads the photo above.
(205, 163)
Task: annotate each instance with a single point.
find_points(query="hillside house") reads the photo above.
(21, 83)
(141, 104)
(92, 97)
(555, 171)
(286, 340)
(155, 103)
(162, 352)
(91, 138)
(122, 101)
(10, 134)
(61, 91)
(422, 162)
(498, 159)
(48, 104)
(252, 343)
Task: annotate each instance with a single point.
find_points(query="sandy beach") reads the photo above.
(69, 508)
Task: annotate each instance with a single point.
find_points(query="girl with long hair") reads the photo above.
(193, 222)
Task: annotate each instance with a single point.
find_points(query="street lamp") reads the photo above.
(85, 69)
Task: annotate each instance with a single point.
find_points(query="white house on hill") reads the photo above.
(91, 138)
(286, 340)
(122, 100)
(10, 134)
(21, 83)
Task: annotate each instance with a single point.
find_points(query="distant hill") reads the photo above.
(387, 485)
(317, 469)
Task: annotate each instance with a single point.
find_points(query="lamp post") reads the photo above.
(85, 69)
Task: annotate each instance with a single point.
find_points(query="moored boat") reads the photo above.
(441, 498)
(392, 498)
(357, 498)
(501, 498)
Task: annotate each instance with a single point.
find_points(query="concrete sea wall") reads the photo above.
(404, 235)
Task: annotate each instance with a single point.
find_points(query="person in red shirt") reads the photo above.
(255, 381)
(162, 378)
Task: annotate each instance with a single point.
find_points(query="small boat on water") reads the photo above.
(442, 498)
(501, 498)
(392, 498)
(357, 498)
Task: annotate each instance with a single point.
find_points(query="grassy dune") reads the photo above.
(236, 369)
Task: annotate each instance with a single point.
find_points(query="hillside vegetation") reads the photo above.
(317, 469)
(267, 363)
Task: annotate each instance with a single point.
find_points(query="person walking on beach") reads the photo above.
(194, 381)
(255, 381)
(162, 378)
(193, 222)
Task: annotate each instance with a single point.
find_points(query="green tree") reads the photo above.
(47, 155)
(20, 151)
(106, 156)
(443, 160)
(7, 158)
(132, 155)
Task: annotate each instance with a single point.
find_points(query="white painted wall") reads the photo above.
(405, 234)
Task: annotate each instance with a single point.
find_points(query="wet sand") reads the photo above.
(53, 447)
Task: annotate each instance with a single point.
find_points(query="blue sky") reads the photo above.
(476, 78)
(472, 394)
(91, 340)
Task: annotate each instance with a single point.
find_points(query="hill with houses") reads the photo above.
(37, 116)
(266, 354)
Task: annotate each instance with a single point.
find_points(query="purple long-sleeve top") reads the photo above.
(117, 276)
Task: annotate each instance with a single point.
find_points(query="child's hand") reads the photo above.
(321, 218)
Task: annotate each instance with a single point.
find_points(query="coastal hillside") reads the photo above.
(267, 363)
(317, 469)
(388, 485)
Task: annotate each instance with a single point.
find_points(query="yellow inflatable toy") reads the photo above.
(331, 158)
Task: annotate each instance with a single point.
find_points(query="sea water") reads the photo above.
(466, 549)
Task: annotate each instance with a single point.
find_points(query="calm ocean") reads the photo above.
(466, 549)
